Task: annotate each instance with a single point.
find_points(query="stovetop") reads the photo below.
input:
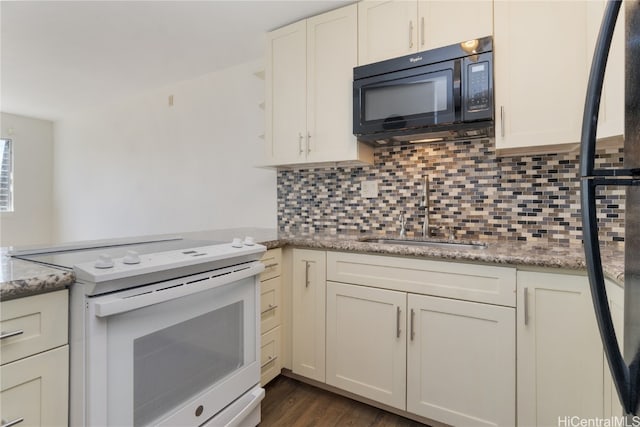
(67, 259)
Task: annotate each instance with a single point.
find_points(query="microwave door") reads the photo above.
(409, 100)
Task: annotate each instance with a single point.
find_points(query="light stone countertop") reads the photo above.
(20, 278)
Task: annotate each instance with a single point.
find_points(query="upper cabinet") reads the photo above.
(543, 52)
(309, 75)
(387, 29)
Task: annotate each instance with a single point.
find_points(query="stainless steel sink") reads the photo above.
(427, 243)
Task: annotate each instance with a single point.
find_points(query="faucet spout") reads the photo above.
(403, 223)
(426, 232)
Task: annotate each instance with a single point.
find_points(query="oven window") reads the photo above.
(428, 94)
(180, 361)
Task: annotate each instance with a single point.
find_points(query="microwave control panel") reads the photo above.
(478, 78)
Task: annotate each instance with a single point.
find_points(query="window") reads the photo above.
(6, 176)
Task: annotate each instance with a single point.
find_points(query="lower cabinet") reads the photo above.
(461, 365)
(561, 368)
(271, 316)
(367, 342)
(443, 359)
(440, 358)
(456, 343)
(308, 317)
(34, 373)
(35, 389)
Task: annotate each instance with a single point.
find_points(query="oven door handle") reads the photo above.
(113, 306)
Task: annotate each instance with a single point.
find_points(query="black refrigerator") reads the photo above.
(624, 365)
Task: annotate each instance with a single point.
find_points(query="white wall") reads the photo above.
(143, 167)
(30, 223)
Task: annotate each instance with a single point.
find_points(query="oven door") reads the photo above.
(418, 97)
(172, 353)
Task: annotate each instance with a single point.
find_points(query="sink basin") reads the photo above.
(427, 243)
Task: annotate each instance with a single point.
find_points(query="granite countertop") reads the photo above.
(20, 278)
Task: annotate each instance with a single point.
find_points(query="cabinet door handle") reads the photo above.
(300, 138)
(502, 121)
(4, 335)
(413, 318)
(12, 422)
(526, 306)
(398, 331)
(422, 31)
(306, 274)
(308, 142)
(410, 34)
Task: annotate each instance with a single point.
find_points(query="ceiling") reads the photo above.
(60, 57)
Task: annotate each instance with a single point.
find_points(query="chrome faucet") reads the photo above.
(403, 223)
(424, 204)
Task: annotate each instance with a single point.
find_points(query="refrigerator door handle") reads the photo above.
(625, 383)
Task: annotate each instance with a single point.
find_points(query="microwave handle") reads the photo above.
(111, 307)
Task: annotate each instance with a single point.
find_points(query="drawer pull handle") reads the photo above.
(271, 359)
(4, 335)
(12, 423)
(271, 308)
(275, 264)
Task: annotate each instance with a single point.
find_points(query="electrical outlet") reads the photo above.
(369, 189)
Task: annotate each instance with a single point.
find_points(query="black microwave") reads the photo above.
(440, 94)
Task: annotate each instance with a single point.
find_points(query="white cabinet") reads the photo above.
(611, 117)
(271, 316)
(560, 359)
(309, 100)
(440, 358)
(367, 342)
(34, 374)
(387, 29)
(541, 76)
(308, 313)
(461, 361)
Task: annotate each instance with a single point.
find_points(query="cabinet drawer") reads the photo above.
(471, 282)
(270, 304)
(270, 362)
(36, 389)
(40, 323)
(272, 261)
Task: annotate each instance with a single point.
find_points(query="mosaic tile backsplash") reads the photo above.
(472, 190)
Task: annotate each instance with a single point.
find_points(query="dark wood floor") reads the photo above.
(290, 403)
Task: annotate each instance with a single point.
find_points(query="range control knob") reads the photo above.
(237, 243)
(104, 261)
(131, 257)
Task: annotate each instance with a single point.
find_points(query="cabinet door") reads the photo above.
(386, 29)
(442, 23)
(560, 361)
(461, 361)
(611, 117)
(332, 52)
(309, 302)
(36, 389)
(286, 88)
(541, 69)
(366, 342)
